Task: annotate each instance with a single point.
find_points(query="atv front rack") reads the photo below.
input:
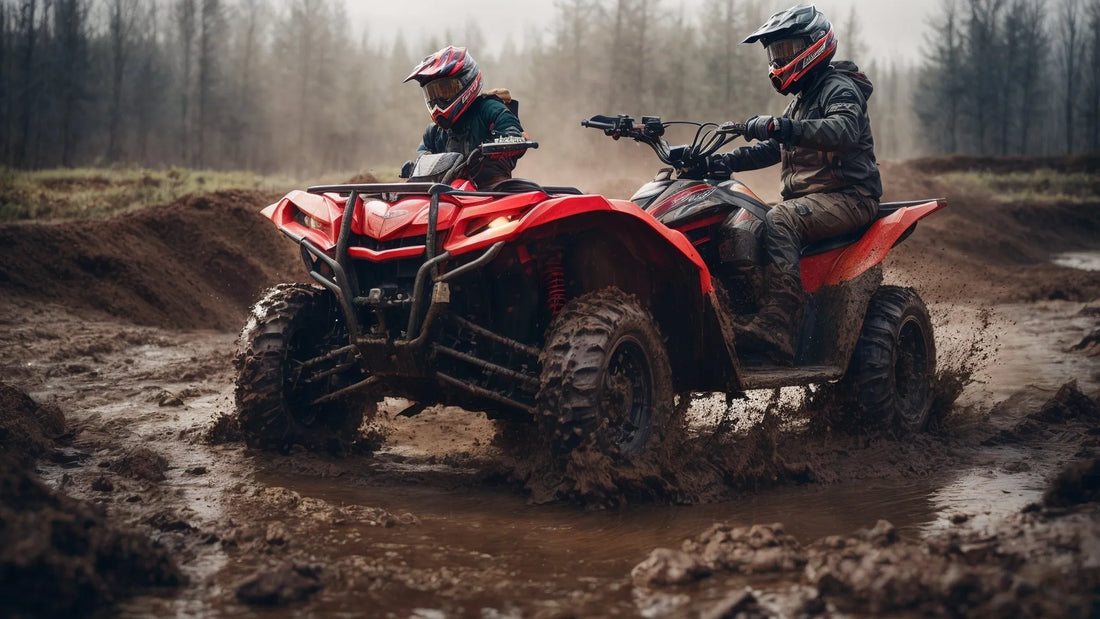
(431, 290)
(346, 289)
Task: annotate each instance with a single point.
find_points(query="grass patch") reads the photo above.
(1041, 185)
(99, 193)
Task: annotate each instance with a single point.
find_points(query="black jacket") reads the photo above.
(834, 151)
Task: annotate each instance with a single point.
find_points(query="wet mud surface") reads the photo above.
(441, 521)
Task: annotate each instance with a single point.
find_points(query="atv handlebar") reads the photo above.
(709, 137)
(507, 145)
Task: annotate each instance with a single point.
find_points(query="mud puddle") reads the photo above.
(1083, 260)
(517, 559)
(470, 544)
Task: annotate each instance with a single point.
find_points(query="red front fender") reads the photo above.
(561, 208)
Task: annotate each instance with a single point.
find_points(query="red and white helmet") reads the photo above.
(798, 41)
(451, 80)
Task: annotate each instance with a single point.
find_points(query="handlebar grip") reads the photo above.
(490, 148)
(595, 124)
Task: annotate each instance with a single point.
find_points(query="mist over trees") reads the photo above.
(1006, 77)
(294, 86)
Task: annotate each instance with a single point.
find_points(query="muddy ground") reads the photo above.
(126, 330)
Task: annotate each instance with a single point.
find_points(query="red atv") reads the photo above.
(544, 305)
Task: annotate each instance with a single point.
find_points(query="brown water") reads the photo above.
(554, 557)
(480, 549)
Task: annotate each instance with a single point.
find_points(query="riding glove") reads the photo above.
(784, 130)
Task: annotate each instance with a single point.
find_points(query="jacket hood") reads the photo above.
(849, 69)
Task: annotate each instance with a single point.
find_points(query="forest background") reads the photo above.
(297, 87)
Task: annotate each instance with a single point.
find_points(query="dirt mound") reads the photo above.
(27, 430)
(984, 248)
(196, 263)
(59, 556)
(1079, 483)
(1066, 164)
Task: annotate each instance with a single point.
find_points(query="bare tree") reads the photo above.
(69, 59)
(242, 122)
(28, 77)
(211, 27)
(852, 36)
(1029, 77)
(940, 98)
(1092, 112)
(151, 75)
(7, 35)
(1070, 47)
(986, 70)
(120, 30)
(185, 32)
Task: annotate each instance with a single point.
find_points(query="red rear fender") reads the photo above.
(847, 263)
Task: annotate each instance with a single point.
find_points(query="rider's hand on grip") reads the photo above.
(759, 128)
(785, 130)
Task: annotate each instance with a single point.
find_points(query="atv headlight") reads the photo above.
(500, 222)
(309, 221)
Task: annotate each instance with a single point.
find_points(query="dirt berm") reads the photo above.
(201, 261)
(196, 263)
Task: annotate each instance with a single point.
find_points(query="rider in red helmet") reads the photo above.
(831, 182)
(463, 118)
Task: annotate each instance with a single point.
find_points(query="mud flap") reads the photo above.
(718, 342)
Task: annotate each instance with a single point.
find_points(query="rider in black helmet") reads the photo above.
(830, 178)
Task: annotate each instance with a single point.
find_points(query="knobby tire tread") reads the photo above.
(573, 360)
(263, 412)
(870, 383)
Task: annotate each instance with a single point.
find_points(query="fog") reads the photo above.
(892, 29)
(314, 87)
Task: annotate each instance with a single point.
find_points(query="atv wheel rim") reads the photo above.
(911, 379)
(628, 385)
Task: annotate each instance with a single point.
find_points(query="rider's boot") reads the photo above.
(773, 330)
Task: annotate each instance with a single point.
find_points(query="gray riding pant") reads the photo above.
(793, 224)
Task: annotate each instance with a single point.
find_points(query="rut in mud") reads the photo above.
(448, 516)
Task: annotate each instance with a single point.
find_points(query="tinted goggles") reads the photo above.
(442, 90)
(782, 52)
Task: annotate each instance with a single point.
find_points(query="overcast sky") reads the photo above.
(891, 28)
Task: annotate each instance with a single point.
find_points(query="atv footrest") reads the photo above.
(767, 377)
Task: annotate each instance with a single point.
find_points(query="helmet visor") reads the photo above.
(442, 91)
(783, 51)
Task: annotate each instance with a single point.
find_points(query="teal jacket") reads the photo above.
(486, 119)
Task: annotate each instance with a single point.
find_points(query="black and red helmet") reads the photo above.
(798, 41)
(451, 80)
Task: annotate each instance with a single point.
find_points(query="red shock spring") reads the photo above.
(553, 280)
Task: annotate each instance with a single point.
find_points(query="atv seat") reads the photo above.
(885, 209)
(522, 185)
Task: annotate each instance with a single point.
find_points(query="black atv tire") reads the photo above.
(606, 380)
(893, 366)
(290, 324)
